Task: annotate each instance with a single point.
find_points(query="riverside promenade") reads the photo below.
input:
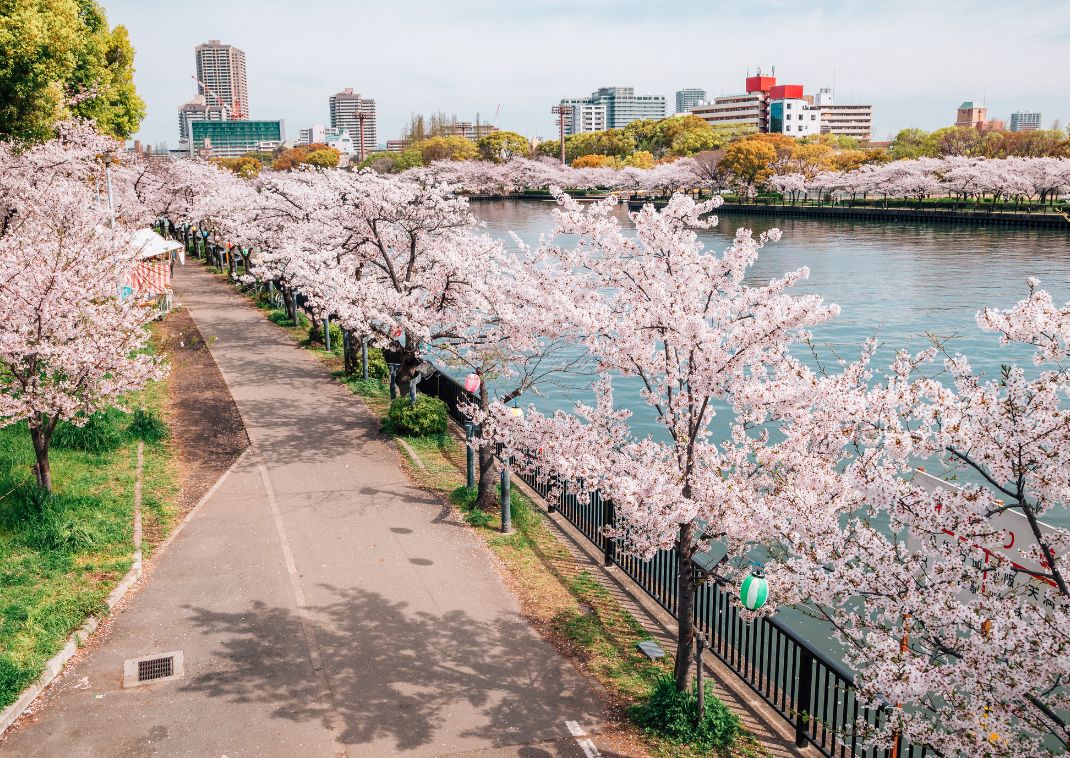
(323, 605)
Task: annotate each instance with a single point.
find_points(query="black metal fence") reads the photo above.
(809, 689)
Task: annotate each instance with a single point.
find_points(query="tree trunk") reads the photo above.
(349, 358)
(685, 608)
(407, 364)
(42, 437)
(486, 497)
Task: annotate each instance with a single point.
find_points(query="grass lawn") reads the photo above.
(58, 564)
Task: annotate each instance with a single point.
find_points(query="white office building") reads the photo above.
(1025, 121)
(745, 109)
(844, 120)
(688, 98)
(794, 117)
(617, 106)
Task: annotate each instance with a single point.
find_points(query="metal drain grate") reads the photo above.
(155, 668)
(149, 669)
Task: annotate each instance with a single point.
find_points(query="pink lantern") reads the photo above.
(471, 382)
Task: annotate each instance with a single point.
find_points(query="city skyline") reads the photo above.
(511, 58)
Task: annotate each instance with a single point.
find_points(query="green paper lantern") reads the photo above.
(755, 590)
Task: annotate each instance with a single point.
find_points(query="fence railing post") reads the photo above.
(804, 699)
(507, 504)
(470, 456)
(609, 557)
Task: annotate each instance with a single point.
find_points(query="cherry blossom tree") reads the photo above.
(948, 592)
(683, 324)
(69, 345)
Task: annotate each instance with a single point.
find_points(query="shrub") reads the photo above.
(425, 418)
(674, 715)
(146, 425)
(280, 316)
(101, 433)
(377, 368)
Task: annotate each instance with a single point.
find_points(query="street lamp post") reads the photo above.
(107, 159)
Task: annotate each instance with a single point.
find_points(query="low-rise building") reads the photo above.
(467, 129)
(744, 109)
(849, 120)
(232, 139)
(796, 117)
(971, 115)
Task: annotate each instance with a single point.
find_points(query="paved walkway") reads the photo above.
(324, 606)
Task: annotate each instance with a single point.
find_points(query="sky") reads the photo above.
(913, 60)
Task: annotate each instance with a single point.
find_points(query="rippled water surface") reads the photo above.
(899, 282)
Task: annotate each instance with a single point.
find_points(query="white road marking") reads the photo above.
(311, 644)
(586, 745)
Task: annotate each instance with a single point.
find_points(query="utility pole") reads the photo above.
(561, 111)
(361, 115)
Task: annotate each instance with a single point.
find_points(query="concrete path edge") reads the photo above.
(79, 636)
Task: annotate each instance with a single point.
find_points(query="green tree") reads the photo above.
(393, 161)
(956, 140)
(447, 149)
(246, 167)
(912, 143)
(501, 146)
(323, 157)
(640, 159)
(749, 161)
(59, 58)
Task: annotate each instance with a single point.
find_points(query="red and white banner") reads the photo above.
(149, 278)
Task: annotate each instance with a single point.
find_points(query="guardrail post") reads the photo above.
(507, 510)
(804, 700)
(470, 456)
(608, 518)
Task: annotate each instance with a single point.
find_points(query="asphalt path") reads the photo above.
(323, 605)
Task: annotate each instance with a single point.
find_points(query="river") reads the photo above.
(898, 282)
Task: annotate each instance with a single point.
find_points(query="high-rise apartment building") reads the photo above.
(971, 115)
(1025, 121)
(348, 111)
(688, 98)
(622, 106)
(221, 70)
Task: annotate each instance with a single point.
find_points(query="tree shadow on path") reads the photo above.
(397, 674)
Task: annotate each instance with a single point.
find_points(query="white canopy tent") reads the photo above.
(149, 244)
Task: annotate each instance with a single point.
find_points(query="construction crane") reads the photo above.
(227, 113)
(496, 112)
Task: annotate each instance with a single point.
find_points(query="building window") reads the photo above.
(789, 127)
